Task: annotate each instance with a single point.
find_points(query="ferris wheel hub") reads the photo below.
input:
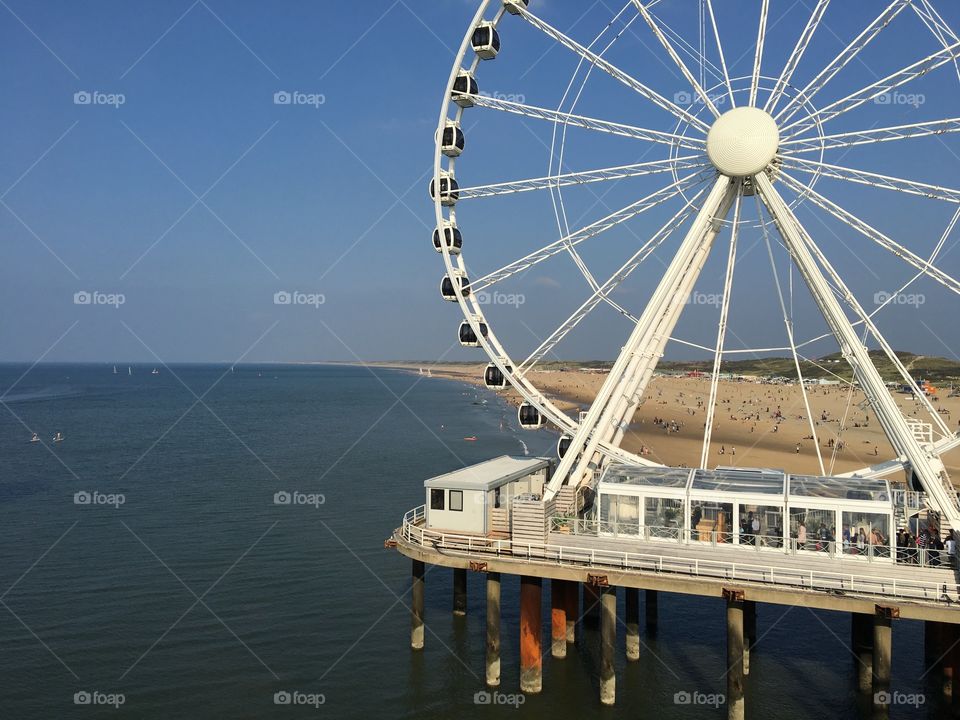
(743, 141)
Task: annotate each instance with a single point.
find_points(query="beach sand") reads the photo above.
(746, 427)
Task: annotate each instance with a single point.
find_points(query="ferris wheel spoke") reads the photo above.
(604, 291)
(588, 123)
(936, 25)
(783, 82)
(678, 61)
(866, 319)
(881, 87)
(612, 70)
(842, 60)
(861, 177)
(652, 167)
(721, 333)
(758, 53)
(873, 234)
(876, 135)
(689, 50)
(723, 61)
(600, 226)
(806, 255)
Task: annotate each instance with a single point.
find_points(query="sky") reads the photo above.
(172, 172)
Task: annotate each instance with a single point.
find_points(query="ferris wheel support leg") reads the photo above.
(926, 464)
(648, 338)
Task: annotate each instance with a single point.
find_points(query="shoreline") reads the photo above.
(755, 424)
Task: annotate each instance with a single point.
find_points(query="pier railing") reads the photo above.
(414, 532)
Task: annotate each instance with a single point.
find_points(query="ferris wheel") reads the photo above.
(740, 154)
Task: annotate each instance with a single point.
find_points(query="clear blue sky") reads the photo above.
(331, 199)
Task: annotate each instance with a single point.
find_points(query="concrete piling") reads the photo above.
(882, 651)
(608, 642)
(493, 629)
(460, 591)
(650, 607)
(558, 618)
(632, 607)
(735, 671)
(531, 659)
(573, 609)
(416, 605)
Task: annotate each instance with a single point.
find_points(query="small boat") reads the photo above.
(472, 438)
(154, 372)
(114, 369)
(129, 370)
(34, 438)
(58, 437)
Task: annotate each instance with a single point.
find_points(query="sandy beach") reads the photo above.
(755, 424)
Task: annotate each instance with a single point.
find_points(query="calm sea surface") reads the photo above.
(182, 586)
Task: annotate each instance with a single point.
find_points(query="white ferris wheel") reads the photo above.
(737, 155)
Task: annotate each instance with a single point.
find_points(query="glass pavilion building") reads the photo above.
(767, 510)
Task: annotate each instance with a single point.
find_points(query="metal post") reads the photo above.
(608, 642)
(459, 591)
(633, 623)
(416, 606)
(735, 703)
(531, 660)
(558, 618)
(493, 629)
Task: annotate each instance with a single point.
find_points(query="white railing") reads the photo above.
(414, 532)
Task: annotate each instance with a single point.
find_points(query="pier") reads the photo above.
(578, 553)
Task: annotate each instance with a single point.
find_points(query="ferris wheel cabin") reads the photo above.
(449, 189)
(530, 417)
(463, 87)
(486, 41)
(468, 338)
(494, 378)
(452, 142)
(451, 290)
(451, 237)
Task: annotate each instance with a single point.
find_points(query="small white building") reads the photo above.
(467, 500)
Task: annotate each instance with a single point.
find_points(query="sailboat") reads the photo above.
(34, 438)
(154, 372)
(114, 369)
(129, 370)
(58, 437)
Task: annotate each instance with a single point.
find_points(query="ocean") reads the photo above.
(208, 543)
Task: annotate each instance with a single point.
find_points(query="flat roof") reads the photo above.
(488, 474)
(747, 481)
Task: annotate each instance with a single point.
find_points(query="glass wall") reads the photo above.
(866, 534)
(663, 517)
(761, 525)
(619, 514)
(813, 529)
(711, 521)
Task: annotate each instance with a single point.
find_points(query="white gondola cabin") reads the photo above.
(486, 41)
(450, 236)
(452, 142)
(451, 289)
(530, 418)
(463, 87)
(449, 190)
(468, 338)
(563, 444)
(494, 378)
